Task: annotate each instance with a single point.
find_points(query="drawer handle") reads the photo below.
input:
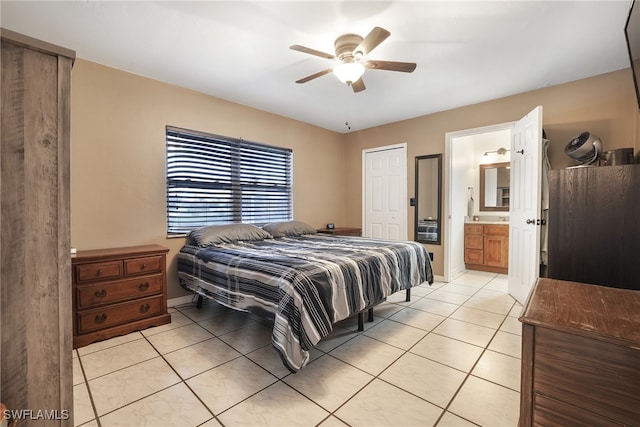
(101, 294)
(143, 286)
(143, 266)
(99, 272)
(144, 308)
(101, 318)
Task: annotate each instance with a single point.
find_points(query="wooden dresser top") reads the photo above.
(610, 314)
(103, 254)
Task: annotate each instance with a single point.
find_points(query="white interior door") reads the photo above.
(524, 211)
(385, 192)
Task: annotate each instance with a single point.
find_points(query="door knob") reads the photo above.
(531, 221)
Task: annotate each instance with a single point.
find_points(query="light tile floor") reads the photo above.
(450, 357)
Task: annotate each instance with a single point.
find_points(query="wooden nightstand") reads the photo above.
(117, 291)
(341, 231)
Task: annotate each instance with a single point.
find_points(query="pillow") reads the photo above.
(288, 228)
(215, 234)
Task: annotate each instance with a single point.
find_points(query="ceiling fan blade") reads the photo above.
(405, 67)
(373, 39)
(312, 51)
(314, 76)
(358, 85)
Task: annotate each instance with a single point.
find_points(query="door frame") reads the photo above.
(404, 191)
(449, 246)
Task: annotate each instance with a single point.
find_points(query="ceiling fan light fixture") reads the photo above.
(348, 72)
(350, 64)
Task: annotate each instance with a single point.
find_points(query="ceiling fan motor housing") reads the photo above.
(345, 46)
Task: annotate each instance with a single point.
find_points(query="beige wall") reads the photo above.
(118, 157)
(118, 148)
(604, 105)
(637, 146)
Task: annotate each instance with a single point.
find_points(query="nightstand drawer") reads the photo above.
(147, 265)
(90, 296)
(93, 320)
(105, 270)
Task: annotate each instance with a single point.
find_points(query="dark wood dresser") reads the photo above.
(580, 355)
(117, 291)
(341, 231)
(594, 235)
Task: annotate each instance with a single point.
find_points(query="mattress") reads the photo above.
(304, 283)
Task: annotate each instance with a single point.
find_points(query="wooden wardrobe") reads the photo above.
(35, 278)
(594, 225)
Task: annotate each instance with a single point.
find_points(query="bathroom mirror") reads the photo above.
(494, 187)
(428, 198)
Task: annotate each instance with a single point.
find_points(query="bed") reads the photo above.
(305, 282)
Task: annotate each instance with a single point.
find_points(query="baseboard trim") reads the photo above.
(173, 302)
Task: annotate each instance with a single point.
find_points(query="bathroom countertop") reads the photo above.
(488, 222)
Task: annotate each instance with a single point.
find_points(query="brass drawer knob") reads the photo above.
(101, 318)
(101, 294)
(144, 266)
(143, 286)
(99, 272)
(144, 308)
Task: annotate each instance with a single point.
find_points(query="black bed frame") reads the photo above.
(369, 310)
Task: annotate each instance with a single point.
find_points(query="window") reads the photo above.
(214, 180)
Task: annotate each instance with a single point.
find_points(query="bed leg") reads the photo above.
(360, 322)
(199, 303)
(408, 298)
(370, 318)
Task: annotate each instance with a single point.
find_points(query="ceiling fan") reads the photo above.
(350, 50)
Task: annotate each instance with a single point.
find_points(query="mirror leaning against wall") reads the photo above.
(428, 218)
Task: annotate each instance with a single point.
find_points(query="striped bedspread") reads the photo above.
(306, 283)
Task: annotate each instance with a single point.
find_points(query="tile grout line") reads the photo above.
(444, 410)
(377, 376)
(278, 379)
(97, 417)
(182, 380)
(468, 374)
(86, 384)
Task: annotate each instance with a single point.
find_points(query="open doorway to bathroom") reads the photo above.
(465, 151)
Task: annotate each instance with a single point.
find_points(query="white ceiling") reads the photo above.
(466, 52)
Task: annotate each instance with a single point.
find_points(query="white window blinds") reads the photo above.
(215, 180)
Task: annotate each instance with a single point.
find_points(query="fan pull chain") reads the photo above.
(348, 104)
